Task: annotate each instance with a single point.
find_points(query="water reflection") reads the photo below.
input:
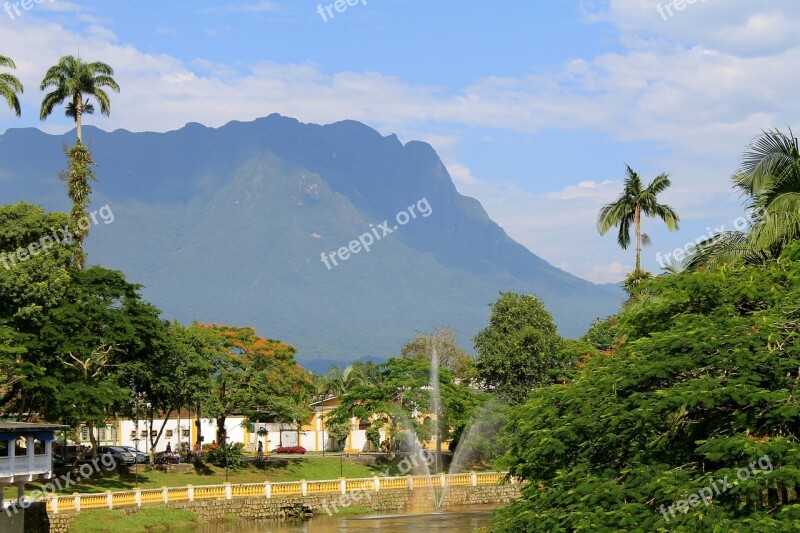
(464, 520)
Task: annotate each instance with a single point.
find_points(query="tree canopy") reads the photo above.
(519, 349)
(701, 380)
(255, 377)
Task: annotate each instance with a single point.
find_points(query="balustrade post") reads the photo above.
(109, 499)
(228, 491)
(343, 485)
(303, 487)
(473, 477)
(137, 495)
(376, 483)
(410, 481)
(29, 453)
(267, 489)
(190, 492)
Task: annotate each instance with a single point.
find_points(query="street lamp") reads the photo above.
(341, 457)
(225, 444)
(136, 469)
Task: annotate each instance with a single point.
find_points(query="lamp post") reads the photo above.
(225, 444)
(136, 441)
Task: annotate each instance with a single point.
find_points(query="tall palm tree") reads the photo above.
(627, 211)
(10, 85)
(72, 79)
(769, 179)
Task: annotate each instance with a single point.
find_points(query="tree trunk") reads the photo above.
(154, 440)
(638, 223)
(78, 115)
(92, 439)
(221, 434)
(199, 426)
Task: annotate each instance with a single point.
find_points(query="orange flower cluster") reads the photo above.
(757, 440)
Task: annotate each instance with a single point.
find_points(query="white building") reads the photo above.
(181, 428)
(26, 453)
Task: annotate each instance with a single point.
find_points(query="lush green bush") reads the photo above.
(230, 455)
(703, 379)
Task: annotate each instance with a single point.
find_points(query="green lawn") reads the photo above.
(294, 469)
(139, 522)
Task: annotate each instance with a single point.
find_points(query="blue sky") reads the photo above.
(535, 107)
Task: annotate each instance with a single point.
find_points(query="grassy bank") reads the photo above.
(146, 520)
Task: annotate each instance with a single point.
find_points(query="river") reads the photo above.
(461, 520)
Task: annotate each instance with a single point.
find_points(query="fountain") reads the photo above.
(472, 431)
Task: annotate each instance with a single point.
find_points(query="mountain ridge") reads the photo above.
(210, 218)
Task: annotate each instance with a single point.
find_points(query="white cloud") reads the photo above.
(695, 100)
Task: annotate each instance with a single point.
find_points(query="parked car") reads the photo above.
(58, 462)
(73, 455)
(141, 457)
(120, 455)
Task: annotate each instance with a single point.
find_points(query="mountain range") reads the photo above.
(265, 223)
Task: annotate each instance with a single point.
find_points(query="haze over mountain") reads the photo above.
(228, 225)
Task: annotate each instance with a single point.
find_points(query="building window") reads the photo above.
(143, 433)
(153, 434)
(169, 433)
(101, 434)
(84, 433)
(185, 433)
(133, 434)
(364, 424)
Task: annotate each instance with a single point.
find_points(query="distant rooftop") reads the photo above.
(17, 426)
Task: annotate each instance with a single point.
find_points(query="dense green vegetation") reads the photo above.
(702, 380)
(81, 346)
(683, 413)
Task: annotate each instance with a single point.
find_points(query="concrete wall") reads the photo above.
(283, 507)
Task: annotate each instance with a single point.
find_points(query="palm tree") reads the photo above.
(342, 381)
(10, 85)
(628, 209)
(72, 80)
(769, 179)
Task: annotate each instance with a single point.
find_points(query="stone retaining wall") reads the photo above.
(283, 507)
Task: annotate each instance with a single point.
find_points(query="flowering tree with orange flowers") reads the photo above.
(255, 377)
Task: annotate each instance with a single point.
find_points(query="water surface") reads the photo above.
(462, 520)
